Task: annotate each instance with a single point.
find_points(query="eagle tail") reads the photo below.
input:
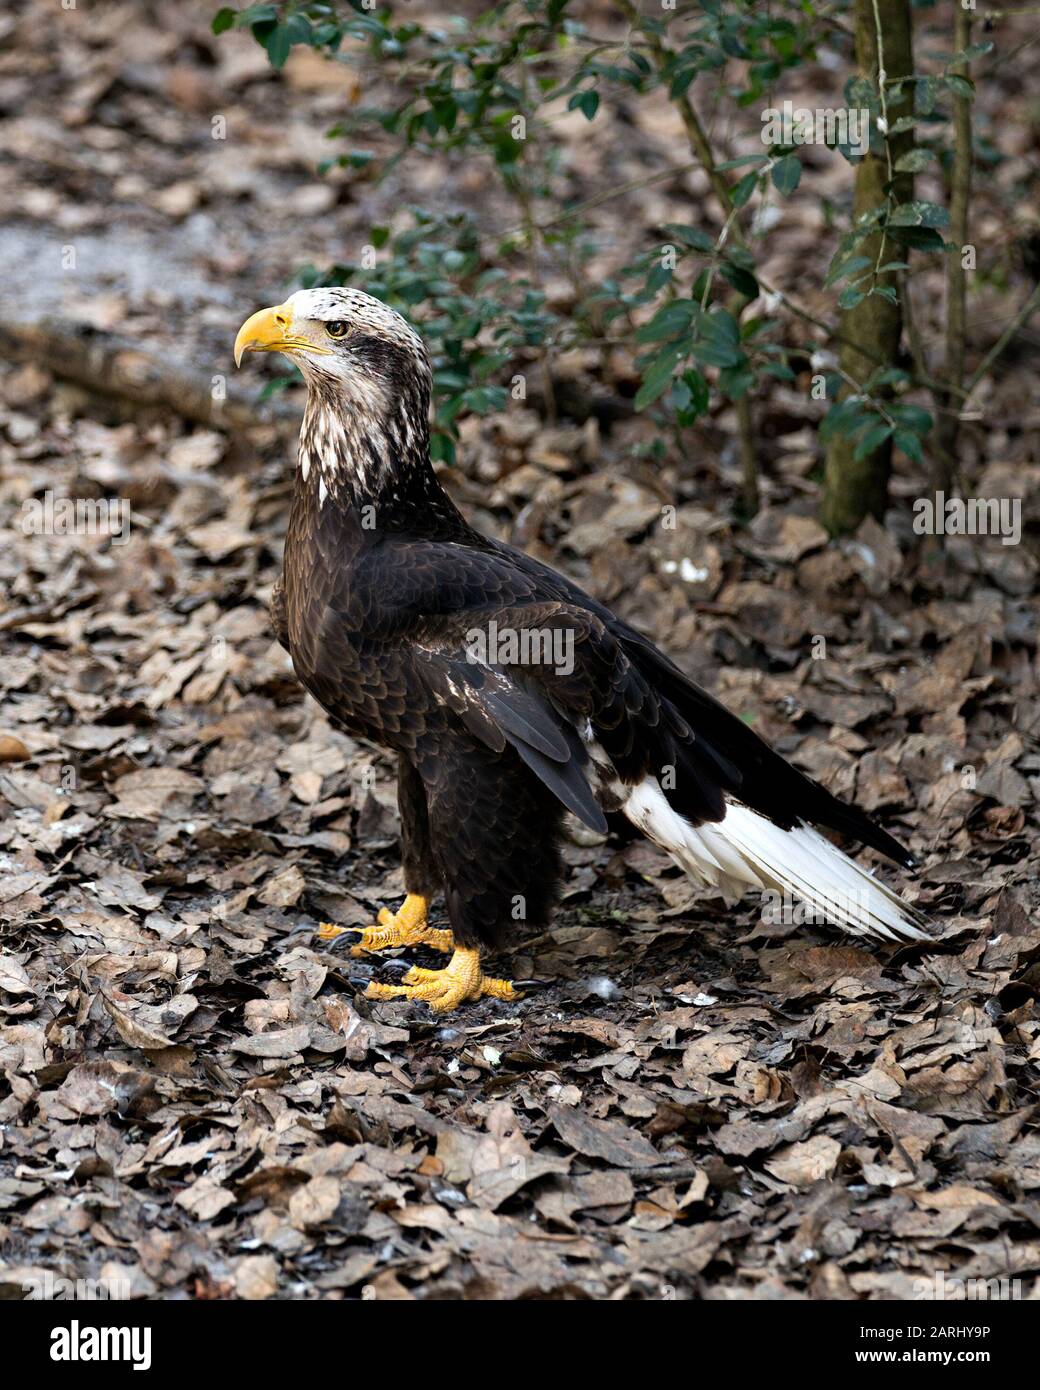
(747, 849)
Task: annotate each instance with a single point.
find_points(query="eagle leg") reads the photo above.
(405, 927)
(461, 980)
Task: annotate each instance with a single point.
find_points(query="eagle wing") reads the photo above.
(617, 708)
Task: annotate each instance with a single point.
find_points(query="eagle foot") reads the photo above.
(461, 981)
(406, 927)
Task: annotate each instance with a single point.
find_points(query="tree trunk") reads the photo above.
(944, 464)
(854, 488)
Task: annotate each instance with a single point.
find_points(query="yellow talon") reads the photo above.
(406, 927)
(461, 980)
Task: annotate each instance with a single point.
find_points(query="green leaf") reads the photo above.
(840, 269)
(657, 379)
(737, 381)
(442, 448)
(968, 55)
(846, 418)
(718, 340)
(744, 189)
(669, 321)
(256, 14)
(278, 45)
(298, 27)
(355, 159)
(890, 376)
(913, 417)
(786, 174)
(918, 214)
(223, 20)
(915, 160)
(742, 280)
(659, 276)
(874, 437)
(920, 238)
(586, 102)
(482, 399)
(699, 393)
(680, 82)
(960, 86)
(927, 92)
(780, 370)
(850, 297)
(690, 236)
(909, 443)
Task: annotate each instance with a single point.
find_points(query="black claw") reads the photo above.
(532, 985)
(396, 965)
(388, 965)
(343, 938)
(392, 967)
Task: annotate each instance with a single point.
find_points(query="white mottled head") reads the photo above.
(369, 379)
(340, 337)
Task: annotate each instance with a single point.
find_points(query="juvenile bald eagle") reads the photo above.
(506, 692)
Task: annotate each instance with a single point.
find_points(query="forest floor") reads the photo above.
(702, 1102)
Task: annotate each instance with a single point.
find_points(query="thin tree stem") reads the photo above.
(943, 464)
(1024, 314)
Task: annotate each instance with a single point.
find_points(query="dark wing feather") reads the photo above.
(568, 784)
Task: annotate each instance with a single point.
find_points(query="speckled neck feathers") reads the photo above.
(366, 446)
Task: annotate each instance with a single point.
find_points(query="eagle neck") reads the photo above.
(374, 463)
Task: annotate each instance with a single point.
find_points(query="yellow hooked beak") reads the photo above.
(271, 330)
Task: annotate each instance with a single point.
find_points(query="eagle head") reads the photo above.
(366, 425)
(341, 337)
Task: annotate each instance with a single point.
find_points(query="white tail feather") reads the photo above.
(747, 849)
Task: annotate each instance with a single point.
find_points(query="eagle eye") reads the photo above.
(336, 329)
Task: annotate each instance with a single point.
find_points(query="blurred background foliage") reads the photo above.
(695, 308)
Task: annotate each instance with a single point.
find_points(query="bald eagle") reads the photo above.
(508, 695)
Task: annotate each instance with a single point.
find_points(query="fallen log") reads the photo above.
(110, 364)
